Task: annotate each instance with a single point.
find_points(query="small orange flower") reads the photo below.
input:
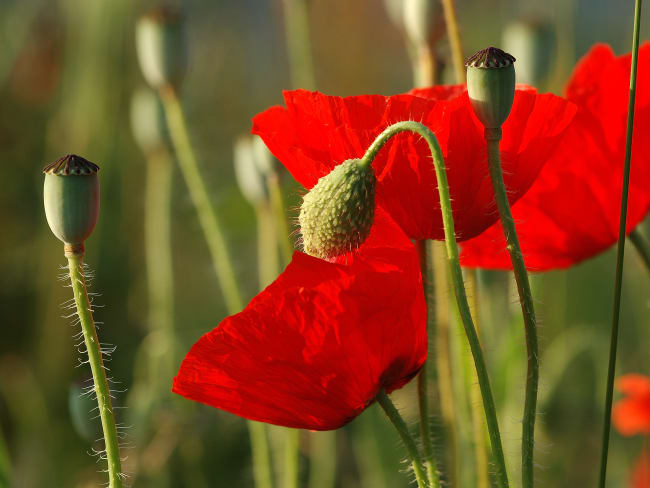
(631, 415)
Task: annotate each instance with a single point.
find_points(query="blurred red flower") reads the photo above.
(571, 212)
(315, 347)
(631, 415)
(316, 132)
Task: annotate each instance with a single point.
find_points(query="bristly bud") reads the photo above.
(71, 198)
(161, 47)
(491, 85)
(148, 121)
(337, 213)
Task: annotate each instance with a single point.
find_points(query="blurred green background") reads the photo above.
(67, 73)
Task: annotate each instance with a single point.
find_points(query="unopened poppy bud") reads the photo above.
(162, 52)
(337, 213)
(148, 121)
(491, 85)
(532, 43)
(253, 164)
(71, 198)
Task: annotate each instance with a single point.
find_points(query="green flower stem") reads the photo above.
(277, 204)
(641, 246)
(423, 391)
(160, 274)
(322, 456)
(478, 431)
(199, 194)
(261, 455)
(296, 18)
(75, 263)
(214, 237)
(291, 457)
(457, 279)
(453, 32)
(267, 253)
(620, 254)
(493, 136)
(424, 65)
(403, 431)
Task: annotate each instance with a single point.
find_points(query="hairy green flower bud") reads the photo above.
(161, 47)
(491, 85)
(337, 213)
(71, 198)
(148, 121)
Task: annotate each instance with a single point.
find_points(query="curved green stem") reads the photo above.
(620, 254)
(75, 263)
(457, 279)
(423, 390)
(641, 246)
(403, 431)
(493, 136)
(199, 194)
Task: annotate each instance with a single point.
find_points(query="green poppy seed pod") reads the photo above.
(532, 43)
(71, 198)
(337, 213)
(148, 121)
(418, 17)
(253, 164)
(491, 85)
(161, 47)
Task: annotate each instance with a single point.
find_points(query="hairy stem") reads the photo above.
(620, 254)
(493, 136)
(403, 431)
(84, 311)
(423, 390)
(456, 276)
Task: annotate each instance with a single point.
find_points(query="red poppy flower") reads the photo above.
(640, 477)
(316, 132)
(315, 347)
(572, 210)
(631, 415)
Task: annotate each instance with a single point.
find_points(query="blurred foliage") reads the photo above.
(67, 74)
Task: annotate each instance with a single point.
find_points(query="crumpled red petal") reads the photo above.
(631, 415)
(571, 212)
(315, 347)
(316, 132)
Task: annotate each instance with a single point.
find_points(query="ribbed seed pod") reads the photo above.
(491, 85)
(71, 198)
(337, 213)
(161, 46)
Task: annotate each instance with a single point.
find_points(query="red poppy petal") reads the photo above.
(316, 132)
(634, 385)
(640, 477)
(631, 417)
(571, 213)
(315, 347)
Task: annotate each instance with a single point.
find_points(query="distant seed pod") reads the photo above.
(71, 198)
(253, 164)
(418, 18)
(532, 42)
(161, 47)
(148, 121)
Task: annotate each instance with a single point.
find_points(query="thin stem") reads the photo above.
(403, 431)
(424, 65)
(261, 455)
(453, 32)
(456, 276)
(75, 263)
(267, 252)
(423, 390)
(493, 136)
(620, 254)
(322, 456)
(277, 204)
(478, 431)
(291, 457)
(207, 216)
(296, 20)
(641, 246)
(158, 254)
